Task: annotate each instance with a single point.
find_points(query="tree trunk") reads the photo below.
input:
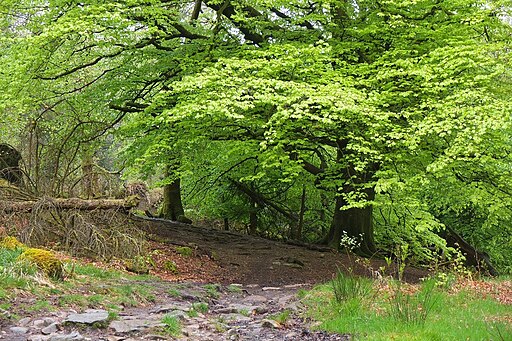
(90, 181)
(296, 230)
(226, 224)
(356, 222)
(68, 204)
(479, 260)
(253, 218)
(172, 207)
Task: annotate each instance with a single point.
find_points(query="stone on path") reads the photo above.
(255, 299)
(128, 326)
(43, 323)
(270, 324)
(74, 336)
(24, 322)
(19, 330)
(52, 328)
(89, 317)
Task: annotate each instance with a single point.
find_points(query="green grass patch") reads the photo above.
(85, 285)
(212, 290)
(201, 307)
(172, 325)
(281, 317)
(428, 314)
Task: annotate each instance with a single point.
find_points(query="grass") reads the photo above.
(212, 290)
(233, 288)
(200, 307)
(172, 325)
(85, 286)
(346, 287)
(185, 251)
(429, 314)
(281, 317)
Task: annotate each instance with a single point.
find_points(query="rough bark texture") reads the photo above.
(172, 207)
(479, 260)
(73, 204)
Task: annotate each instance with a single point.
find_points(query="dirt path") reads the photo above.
(252, 293)
(253, 260)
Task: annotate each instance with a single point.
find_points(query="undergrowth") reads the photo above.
(391, 310)
(84, 286)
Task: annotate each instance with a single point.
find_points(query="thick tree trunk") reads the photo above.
(357, 223)
(474, 257)
(172, 207)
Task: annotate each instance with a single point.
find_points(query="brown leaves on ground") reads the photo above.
(171, 265)
(498, 290)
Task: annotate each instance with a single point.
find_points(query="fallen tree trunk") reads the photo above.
(69, 204)
(474, 257)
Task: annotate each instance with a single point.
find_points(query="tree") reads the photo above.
(362, 95)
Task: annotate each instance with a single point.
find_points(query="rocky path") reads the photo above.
(205, 312)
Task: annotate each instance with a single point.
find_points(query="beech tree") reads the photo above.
(366, 97)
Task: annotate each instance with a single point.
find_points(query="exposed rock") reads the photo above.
(171, 307)
(42, 323)
(128, 326)
(255, 299)
(19, 330)
(89, 317)
(270, 324)
(74, 336)
(24, 322)
(52, 328)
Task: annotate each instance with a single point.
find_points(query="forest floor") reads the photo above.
(203, 284)
(227, 257)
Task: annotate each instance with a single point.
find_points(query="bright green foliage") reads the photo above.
(399, 105)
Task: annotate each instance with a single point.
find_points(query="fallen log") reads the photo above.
(480, 260)
(69, 204)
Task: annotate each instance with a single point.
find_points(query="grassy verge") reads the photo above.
(25, 288)
(395, 311)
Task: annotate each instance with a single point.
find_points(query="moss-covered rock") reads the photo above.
(45, 260)
(11, 243)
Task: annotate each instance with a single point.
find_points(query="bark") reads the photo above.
(90, 181)
(479, 260)
(262, 201)
(9, 165)
(70, 204)
(172, 206)
(253, 218)
(356, 222)
(296, 231)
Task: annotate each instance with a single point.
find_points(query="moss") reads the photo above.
(45, 260)
(11, 243)
(185, 251)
